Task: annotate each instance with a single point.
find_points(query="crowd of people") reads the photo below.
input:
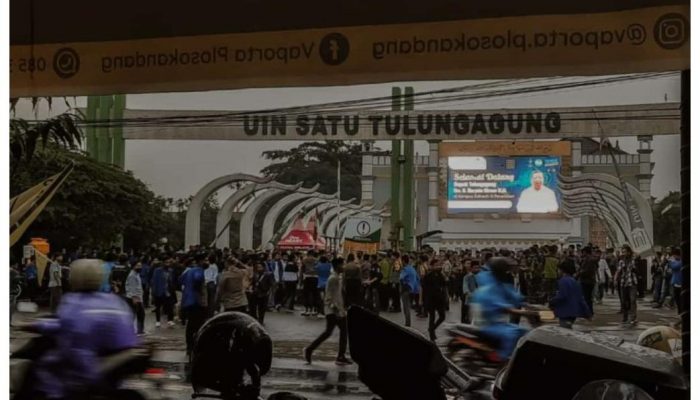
(191, 286)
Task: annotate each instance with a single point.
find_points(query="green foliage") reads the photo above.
(25, 136)
(667, 227)
(317, 162)
(95, 204)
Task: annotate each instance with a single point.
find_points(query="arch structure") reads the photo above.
(194, 211)
(248, 219)
(268, 228)
(223, 217)
(382, 212)
(330, 213)
(344, 214)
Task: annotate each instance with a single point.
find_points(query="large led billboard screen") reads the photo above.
(488, 184)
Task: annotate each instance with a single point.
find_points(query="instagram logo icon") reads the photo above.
(671, 31)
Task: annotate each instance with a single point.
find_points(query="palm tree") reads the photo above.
(62, 130)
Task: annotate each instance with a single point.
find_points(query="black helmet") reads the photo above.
(501, 267)
(226, 347)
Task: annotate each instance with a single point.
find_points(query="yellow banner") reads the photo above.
(641, 40)
(350, 246)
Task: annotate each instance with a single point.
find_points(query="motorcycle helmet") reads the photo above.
(662, 338)
(501, 268)
(227, 347)
(86, 275)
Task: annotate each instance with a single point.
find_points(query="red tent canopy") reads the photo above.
(302, 236)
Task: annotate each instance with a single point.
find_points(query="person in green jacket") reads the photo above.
(551, 264)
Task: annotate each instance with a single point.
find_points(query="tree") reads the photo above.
(317, 162)
(62, 130)
(667, 225)
(96, 204)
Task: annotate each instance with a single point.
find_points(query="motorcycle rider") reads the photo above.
(89, 324)
(494, 303)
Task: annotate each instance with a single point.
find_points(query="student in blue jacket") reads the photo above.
(569, 304)
(410, 286)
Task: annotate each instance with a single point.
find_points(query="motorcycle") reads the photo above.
(114, 369)
(477, 353)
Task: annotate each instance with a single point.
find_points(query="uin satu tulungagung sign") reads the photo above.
(77, 47)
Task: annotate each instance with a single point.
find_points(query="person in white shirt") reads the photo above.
(211, 278)
(134, 294)
(603, 276)
(537, 198)
(55, 290)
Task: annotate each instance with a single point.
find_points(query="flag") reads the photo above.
(25, 207)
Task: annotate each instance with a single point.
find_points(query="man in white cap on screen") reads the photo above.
(537, 198)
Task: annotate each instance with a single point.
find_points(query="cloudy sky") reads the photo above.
(179, 168)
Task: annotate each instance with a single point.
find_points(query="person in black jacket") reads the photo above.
(261, 286)
(435, 296)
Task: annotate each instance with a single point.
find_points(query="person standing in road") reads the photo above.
(335, 316)
(211, 278)
(290, 278)
(385, 267)
(310, 284)
(468, 288)
(262, 284)
(352, 282)
(603, 276)
(194, 300)
(676, 266)
(55, 290)
(587, 275)
(231, 289)
(134, 294)
(435, 296)
(395, 283)
(627, 280)
(569, 302)
(323, 270)
(657, 279)
(146, 273)
(410, 287)
(118, 276)
(372, 285)
(163, 290)
(31, 275)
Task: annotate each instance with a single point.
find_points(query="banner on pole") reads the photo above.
(362, 234)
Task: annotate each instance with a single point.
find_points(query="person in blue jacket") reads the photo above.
(569, 303)
(494, 303)
(676, 266)
(193, 299)
(410, 286)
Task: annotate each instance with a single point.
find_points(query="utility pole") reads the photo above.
(337, 210)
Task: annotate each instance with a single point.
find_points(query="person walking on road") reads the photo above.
(435, 296)
(134, 295)
(163, 291)
(394, 283)
(410, 287)
(55, 281)
(627, 279)
(569, 303)
(323, 270)
(468, 288)
(335, 316)
(290, 278)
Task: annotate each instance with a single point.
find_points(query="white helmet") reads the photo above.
(662, 338)
(86, 275)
